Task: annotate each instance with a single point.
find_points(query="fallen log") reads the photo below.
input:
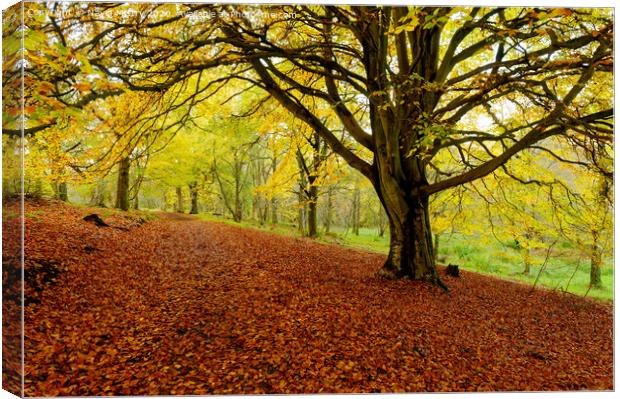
(94, 218)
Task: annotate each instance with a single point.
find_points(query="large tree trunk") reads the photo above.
(411, 244)
(399, 168)
(122, 184)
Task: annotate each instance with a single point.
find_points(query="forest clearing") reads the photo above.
(178, 306)
(298, 198)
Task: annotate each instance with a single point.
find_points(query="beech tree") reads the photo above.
(401, 84)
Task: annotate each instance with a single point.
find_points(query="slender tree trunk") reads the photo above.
(98, 198)
(301, 195)
(301, 215)
(382, 222)
(164, 206)
(274, 201)
(601, 209)
(63, 191)
(260, 208)
(595, 261)
(274, 211)
(234, 205)
(60, 189)
(179, 204)
(436, 246)
(355, 217)
(264, 210)
(527, 260)
(526, 252)
(238, 213)
(255, 213)
(328, 211)
(136, 187)
(318, 154)
(37, 191)
(193, 192)
(122, 184)
(312, 210)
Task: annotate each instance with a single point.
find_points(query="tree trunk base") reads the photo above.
(389, 272)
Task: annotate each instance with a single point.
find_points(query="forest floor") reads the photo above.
(566, 269)
(177, 306)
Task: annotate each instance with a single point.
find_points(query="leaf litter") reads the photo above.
(178, 306)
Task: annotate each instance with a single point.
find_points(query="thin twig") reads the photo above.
(544, 265)
(573, 275)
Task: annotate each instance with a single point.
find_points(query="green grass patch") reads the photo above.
(560, 273)
(10, 215)
(34, 215)
(368, 239)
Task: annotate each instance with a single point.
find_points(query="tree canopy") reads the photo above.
(418, 100)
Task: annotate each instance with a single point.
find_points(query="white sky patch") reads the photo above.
(483, 123)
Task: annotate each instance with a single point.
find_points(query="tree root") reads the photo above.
(437, 281)
(395, 274)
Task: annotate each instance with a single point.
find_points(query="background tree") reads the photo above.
(586, 219)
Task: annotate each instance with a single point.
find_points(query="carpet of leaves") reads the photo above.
(178, 306)
(11, 299)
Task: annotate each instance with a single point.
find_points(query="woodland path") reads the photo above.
(194, 307)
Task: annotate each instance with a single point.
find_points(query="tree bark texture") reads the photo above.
(122, 184)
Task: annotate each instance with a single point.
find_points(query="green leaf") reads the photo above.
(34, 39)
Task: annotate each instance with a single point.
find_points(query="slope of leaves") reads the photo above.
(11, 298)
(177, 306)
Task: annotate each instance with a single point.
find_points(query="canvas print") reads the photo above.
(204, 198)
